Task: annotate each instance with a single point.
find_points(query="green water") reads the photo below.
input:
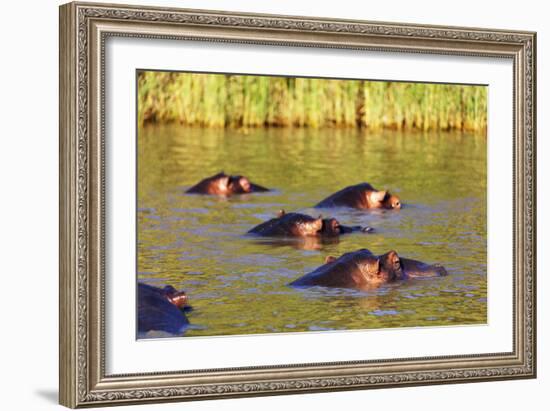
(237, 284)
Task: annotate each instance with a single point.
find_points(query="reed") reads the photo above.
(242, 101)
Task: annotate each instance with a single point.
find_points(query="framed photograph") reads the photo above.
(260, 204)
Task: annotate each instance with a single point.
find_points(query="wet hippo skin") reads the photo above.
(362, 269)
(161, 309)
(361, 196)
(303, 225)
(222, 184)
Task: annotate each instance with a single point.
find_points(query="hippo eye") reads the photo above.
(396, 204)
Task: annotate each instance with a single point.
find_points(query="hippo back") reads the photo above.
(286, 225)
(343, 272)
(209, 185)
(351, 196)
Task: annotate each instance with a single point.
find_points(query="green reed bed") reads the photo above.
(241, 101)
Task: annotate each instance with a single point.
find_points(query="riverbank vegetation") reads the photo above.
(244, 101)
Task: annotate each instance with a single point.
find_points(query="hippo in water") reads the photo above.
(362, 270)
(224, 185)
(361, 196)
(161, 309)
(302, 225)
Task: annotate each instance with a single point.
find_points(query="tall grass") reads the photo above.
(219, 100)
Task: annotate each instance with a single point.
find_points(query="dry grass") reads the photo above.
(219, 100)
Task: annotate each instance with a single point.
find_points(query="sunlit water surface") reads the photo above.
(238, 285)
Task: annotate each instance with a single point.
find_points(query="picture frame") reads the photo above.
(84, 30)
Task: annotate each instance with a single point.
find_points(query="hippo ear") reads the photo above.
(281, 213)
(378, 196)
(329, 259)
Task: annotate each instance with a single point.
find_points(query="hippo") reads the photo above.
(363, 270)
(222, 184)
(161, 309)
(303, 225)
(361, 196)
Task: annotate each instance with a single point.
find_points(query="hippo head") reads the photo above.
(178, 298)
(239, 185)
(231, 184)
(310, 228)
(382, 269)
(383, 199)
(391, 267)
(222, 184)
(331, 227)
(305, 227)
(392, 202)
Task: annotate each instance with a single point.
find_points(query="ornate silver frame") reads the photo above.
(83, 30)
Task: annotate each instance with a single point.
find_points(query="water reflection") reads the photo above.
(302, 243)
(238, 284)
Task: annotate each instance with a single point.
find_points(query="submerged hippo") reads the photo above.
(161, 309)
(303, 225)
(362, 269)
(361, 196)
(224, 185)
